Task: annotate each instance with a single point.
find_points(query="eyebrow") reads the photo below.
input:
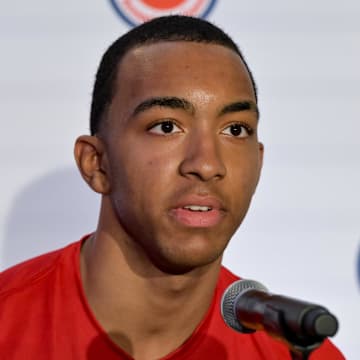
(240, 106)
(172, 102)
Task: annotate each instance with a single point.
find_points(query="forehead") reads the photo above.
(178, 63)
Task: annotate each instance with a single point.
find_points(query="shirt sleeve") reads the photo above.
(327, 351)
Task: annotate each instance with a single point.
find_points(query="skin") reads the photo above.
(150, 269)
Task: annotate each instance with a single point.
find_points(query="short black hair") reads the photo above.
(166, 28)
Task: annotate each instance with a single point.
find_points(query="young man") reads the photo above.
(175, 155)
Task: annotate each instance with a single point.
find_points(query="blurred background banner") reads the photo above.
(134, 12)
(302, 234)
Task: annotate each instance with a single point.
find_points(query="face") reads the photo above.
(183, 155)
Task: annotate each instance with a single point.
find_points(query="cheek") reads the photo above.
(245, 174)
(140, 173)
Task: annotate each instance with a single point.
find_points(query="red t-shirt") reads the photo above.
(44, 315)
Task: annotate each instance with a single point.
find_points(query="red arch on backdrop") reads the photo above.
(163, 4)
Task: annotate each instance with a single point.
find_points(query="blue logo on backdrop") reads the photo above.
(358, 265)
(135, 12)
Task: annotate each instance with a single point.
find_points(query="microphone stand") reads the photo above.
(299, 356)
(300, 347)
(302, 352)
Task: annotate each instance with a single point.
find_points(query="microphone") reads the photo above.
(247, 306)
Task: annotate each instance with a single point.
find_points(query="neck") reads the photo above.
(147, 312)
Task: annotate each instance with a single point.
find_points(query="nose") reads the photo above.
(202, 158)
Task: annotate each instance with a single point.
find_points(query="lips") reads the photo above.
(200, 212)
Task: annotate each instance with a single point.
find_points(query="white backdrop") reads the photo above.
(302, 234)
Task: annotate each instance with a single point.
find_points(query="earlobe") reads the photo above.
(260, 160)
(261, 154)
(90, 158)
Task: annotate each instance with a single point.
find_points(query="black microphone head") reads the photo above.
(318, 322)
(228, 302)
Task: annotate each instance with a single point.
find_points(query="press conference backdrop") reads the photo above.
(302, 234)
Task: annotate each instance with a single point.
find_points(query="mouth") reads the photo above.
(197, 208)
(204, 213)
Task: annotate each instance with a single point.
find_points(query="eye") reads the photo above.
(237, 130)
(164, 128)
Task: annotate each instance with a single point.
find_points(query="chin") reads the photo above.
(181, 262)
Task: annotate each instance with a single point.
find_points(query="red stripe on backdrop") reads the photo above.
(195, 8)
(138, 14)
(163, 4)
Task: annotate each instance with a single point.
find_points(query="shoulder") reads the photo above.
(327, 351)
(28, 273)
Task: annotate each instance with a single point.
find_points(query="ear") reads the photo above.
(90, 157)
(261, 155)
(260, 160)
